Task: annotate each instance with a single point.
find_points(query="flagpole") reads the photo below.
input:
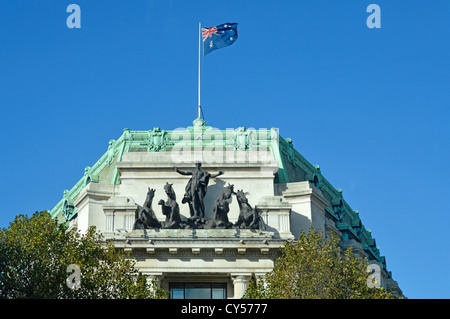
(199, 49)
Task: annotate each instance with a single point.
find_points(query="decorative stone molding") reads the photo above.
(276, 215)
(151, 276)
(241, 251)
(120, 214)
(180, 234)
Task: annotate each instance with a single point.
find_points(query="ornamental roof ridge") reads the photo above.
(159, 140)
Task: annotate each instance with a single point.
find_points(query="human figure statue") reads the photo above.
(195, 190)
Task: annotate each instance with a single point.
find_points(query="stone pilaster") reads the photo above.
(241, 283)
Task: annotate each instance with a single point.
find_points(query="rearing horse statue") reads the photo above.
(248, 217)
(145, 216)
(221, 208)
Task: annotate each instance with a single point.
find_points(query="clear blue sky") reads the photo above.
(370, 106)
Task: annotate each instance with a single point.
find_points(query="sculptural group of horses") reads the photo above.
(146, 217)
(248, 217)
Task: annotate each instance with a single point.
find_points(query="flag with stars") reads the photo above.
(219, 37)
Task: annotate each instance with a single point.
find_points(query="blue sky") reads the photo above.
(370, 106)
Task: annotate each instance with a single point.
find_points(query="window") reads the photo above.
(198, 290)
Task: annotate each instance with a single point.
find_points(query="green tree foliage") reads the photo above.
(35, 253)
(316, 267)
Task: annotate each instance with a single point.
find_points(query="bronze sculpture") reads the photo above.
(145, 216)
(170, 208)
(195, 190)
(248, 217)
(221, 209)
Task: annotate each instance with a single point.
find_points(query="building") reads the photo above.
(194, 257)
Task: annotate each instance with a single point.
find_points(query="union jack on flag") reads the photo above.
(218, 37)
(208, 32)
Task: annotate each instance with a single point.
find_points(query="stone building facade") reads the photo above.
(284, 189)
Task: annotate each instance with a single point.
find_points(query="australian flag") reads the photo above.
(219, 37)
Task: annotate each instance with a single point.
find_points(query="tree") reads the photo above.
(36, 252)
(315, 267)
